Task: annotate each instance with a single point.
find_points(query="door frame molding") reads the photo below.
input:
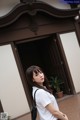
(1, 107)
(22, 71)
(70, 81)
(32, 9)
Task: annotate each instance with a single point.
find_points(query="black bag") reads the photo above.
(34, 108)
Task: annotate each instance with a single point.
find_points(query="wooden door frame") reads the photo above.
(70, 81)
(22, 71)
(1, 107)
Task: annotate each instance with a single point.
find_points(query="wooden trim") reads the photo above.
(26, 34)
(32, 39)
(77, 29)
(1, 107)
(32, 9)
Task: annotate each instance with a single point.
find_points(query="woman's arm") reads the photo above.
(58, 114)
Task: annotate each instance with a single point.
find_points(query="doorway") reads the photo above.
(45, 53)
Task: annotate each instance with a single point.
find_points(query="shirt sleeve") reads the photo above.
(42, 98)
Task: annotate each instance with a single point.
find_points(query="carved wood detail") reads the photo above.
(27, 1)
(32, 9)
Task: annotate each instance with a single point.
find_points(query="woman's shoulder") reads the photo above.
(38, 90)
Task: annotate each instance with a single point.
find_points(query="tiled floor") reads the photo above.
(70, 105)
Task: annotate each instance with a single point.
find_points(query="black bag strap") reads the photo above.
(34, 96)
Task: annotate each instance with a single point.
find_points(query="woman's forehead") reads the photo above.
(36, 71)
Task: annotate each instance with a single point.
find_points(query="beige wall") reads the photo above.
(72, 52)
(12, 93)
(57, 4)
(7, 5)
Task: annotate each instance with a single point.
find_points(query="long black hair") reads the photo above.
(29, 75)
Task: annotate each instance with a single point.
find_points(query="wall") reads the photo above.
(57, 4)
(12, 94)
(7, 5)
(72, 52)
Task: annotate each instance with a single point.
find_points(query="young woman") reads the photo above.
(46, 103)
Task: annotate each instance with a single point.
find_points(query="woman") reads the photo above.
(46, 103)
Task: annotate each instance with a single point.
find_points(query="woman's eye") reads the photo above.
(36, 74)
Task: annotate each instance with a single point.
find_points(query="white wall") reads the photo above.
(57, 4)
(72, 52)
(7, 5)
(12, 94)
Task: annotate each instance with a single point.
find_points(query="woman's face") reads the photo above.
(38, 77)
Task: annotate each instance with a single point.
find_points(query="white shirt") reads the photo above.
(43, 98)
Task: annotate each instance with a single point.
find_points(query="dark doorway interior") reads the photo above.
(44, 53)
